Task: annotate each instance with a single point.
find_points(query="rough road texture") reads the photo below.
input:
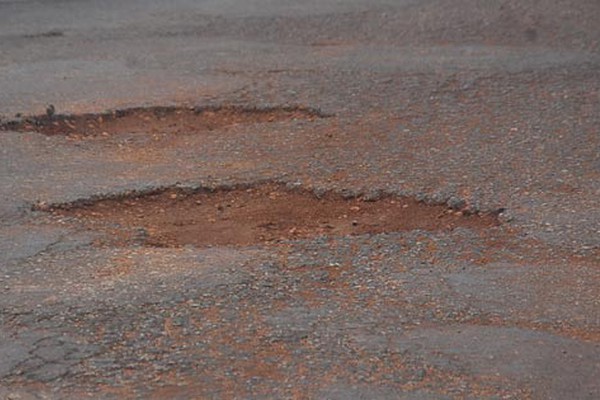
(479, 105)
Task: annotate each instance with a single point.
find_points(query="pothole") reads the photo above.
(267, 213)
(162, 120)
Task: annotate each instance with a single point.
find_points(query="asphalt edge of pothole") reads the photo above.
(453, 203)
(29, 123)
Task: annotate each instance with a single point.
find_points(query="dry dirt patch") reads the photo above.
(156, 120)
(263, 214)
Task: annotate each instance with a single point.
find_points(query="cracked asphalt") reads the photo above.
(490, 105)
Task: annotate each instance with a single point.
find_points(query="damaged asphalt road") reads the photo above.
(299, 130)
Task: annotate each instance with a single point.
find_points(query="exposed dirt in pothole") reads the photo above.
(262, 214)
(163, 120)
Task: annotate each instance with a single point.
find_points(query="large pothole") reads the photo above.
(266, 213)
(156, 120)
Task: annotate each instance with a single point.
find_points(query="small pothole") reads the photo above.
(162, 120)
(267, 213)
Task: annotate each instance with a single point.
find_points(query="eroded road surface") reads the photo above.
(307, 200)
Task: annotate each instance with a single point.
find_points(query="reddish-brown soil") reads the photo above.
(263, 214)
(162, 120)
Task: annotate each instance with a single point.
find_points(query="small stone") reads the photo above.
(320, 192)
(505, 216)
(42, 206)
(455, 203)
(373, 195)
(293, 185)
(348, 194)
(50, 110)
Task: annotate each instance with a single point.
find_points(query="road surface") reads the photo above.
(421, 180)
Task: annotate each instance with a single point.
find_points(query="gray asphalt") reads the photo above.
(496, 103)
